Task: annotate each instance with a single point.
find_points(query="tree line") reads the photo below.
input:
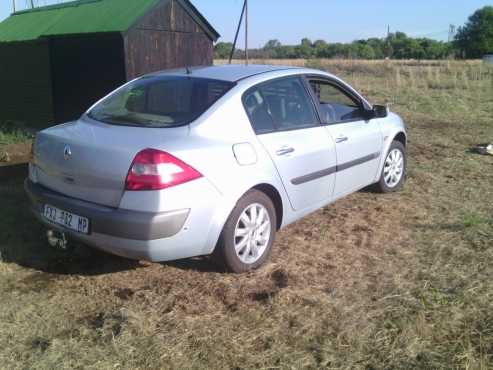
(473, 40)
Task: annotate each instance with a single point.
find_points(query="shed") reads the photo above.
(56, 61)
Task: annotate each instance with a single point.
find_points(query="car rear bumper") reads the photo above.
(116, 224)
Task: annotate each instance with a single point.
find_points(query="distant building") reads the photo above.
(488, 59)
(56, 61)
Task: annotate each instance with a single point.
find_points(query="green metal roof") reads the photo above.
(75, 17)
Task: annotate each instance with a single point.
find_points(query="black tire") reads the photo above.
(381, 186)
(225, 253)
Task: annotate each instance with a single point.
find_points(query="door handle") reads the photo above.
(341, 139)
(284, 151)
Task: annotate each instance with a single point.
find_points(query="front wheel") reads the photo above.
(394, 169)
(247, 237)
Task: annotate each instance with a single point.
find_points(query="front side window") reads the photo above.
(335, 105)
(282, 104)
(160, 101)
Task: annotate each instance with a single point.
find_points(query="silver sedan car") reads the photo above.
(211, 160)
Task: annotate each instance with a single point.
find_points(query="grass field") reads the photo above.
(401, 281)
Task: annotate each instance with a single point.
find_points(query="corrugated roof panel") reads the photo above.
(76, 17)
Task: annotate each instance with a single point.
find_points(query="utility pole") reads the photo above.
(32, 3)
(246, 32)
(389, 44)
(13, 6)
(233, 49)
(244, 11)
(451, 33)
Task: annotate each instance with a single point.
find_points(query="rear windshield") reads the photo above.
(164, 101)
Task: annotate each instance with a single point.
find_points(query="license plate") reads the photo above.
(66, 219)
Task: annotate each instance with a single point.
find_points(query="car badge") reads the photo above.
(67, 152)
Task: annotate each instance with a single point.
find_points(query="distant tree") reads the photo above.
(433, 49)
(337, 50)
(475, 38)
(320, 47)
(320, 44)
(270, 49)
(398, 45)
(378, 46)
(407, 48)
(399, 36)
(286, 52)
(306, 42)
(222, 50)
(365, 51)
(305, 49)
(272, 44)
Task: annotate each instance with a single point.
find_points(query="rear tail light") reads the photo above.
(156, 170)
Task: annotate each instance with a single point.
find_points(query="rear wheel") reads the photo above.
(394, 169)
(248, 235)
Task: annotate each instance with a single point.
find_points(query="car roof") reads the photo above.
(228, 72)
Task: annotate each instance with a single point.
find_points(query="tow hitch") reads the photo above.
(57, 239)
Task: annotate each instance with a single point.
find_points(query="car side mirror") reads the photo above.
(378, 111)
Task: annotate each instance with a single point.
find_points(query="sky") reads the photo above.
(332, 20)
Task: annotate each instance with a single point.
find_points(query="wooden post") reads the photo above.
(237, 33)
(246, 32)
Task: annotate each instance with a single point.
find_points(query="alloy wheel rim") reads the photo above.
(252, 233)
(394, 168)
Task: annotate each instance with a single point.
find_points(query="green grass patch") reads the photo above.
(13, 133)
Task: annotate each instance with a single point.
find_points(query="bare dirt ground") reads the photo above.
(15, 143)
(12, 154)
(371, 282)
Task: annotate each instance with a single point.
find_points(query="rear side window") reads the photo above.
(335, 105)
(282, 104)
(164, 101)
(258, 111)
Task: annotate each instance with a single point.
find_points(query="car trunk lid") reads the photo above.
(89, 160)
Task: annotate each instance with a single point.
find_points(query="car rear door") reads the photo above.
(358, 141)
(284, 117)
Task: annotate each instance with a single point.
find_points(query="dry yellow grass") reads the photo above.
(348, 63)
(400, 281)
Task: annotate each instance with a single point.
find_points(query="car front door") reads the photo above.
(358, 141)
(284, 118)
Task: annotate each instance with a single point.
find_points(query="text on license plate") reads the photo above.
(69, 220)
